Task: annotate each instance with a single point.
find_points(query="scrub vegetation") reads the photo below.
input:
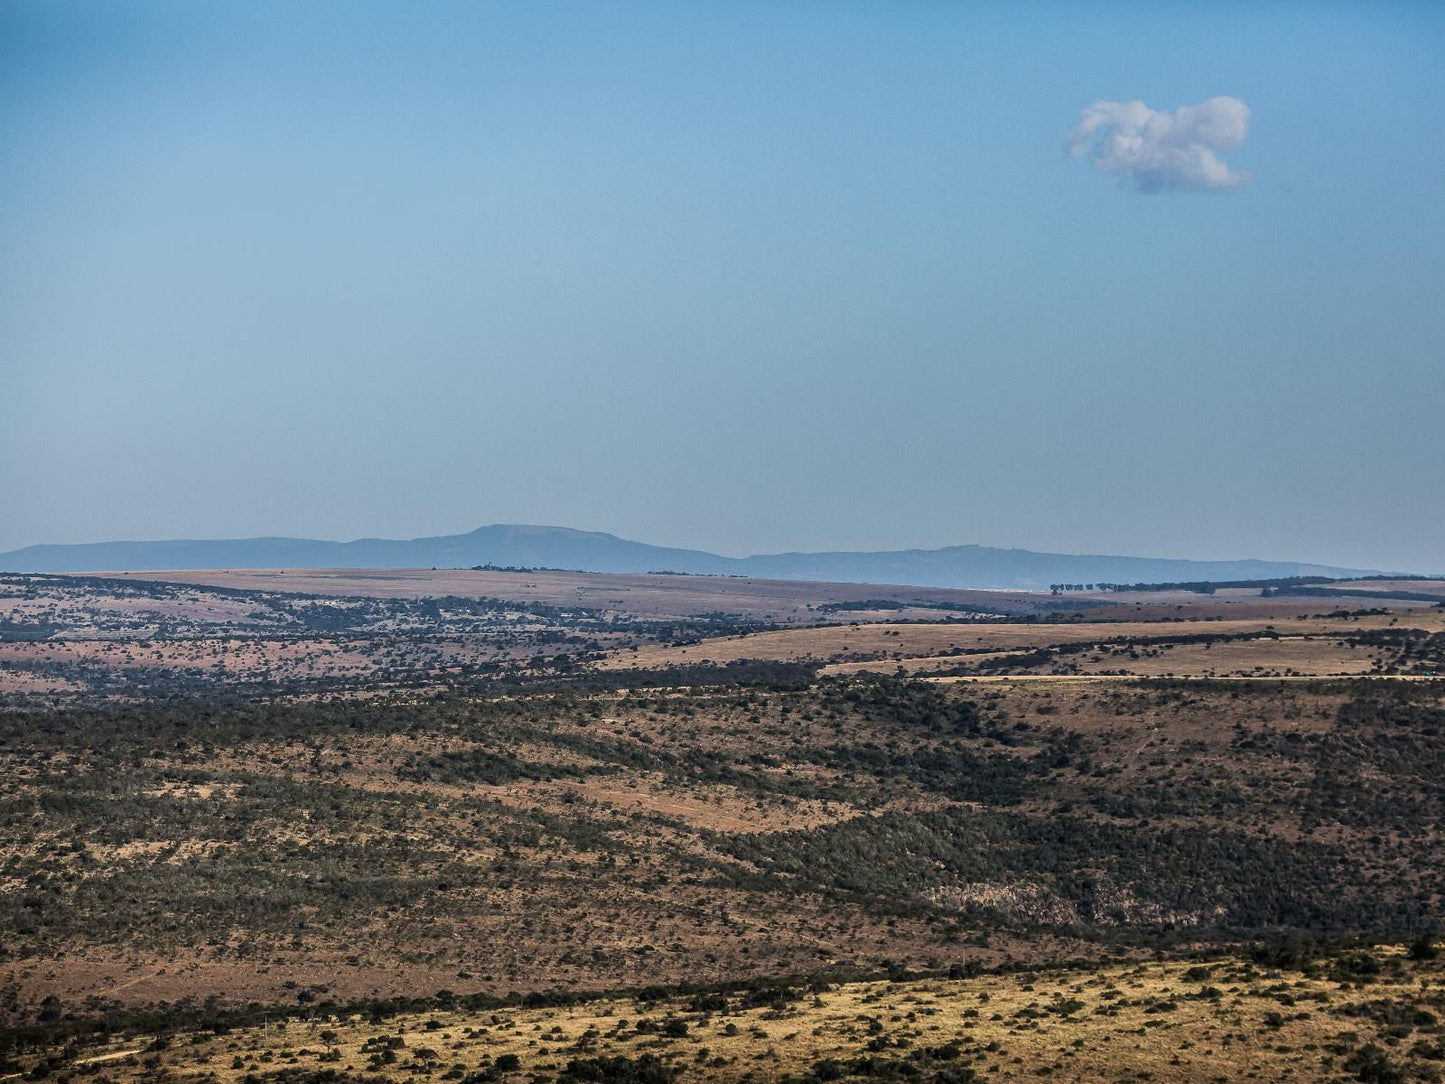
(1091, 875)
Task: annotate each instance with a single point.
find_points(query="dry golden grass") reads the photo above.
(1414, 587)
(1166, 1022)
(1286, 657)
(1308, 646)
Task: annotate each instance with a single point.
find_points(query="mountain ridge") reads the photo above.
(530, 545)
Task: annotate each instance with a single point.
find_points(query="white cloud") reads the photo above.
(1164, 150)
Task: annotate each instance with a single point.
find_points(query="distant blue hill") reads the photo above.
(591, 551)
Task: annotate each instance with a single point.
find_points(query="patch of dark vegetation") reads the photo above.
(619, 1069)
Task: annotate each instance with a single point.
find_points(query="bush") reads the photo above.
(1423, 948)
(1372, 1065)
(647, 1069)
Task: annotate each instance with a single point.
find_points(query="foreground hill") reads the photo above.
(509, 545)
(1313, 1015)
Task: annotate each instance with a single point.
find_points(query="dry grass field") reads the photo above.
(1304, 644)
(653, 596)
(1368, 1015)
(1426, 587)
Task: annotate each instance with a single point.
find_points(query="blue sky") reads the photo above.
(746, 277)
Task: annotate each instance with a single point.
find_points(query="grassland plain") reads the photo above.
(142, 637)
(1277, 1015)
(65, 639)
(1310, 644)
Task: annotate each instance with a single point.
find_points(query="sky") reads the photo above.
(1162, 279)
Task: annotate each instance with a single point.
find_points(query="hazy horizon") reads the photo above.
(745, 279)
(713, 551)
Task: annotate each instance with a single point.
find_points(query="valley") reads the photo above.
(225, 797)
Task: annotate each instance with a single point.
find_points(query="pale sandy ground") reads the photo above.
(918, 647)
(643, 595)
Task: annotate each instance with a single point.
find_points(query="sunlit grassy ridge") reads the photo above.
(1279, 1015)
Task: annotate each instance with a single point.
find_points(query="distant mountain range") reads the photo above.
(511, 545)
